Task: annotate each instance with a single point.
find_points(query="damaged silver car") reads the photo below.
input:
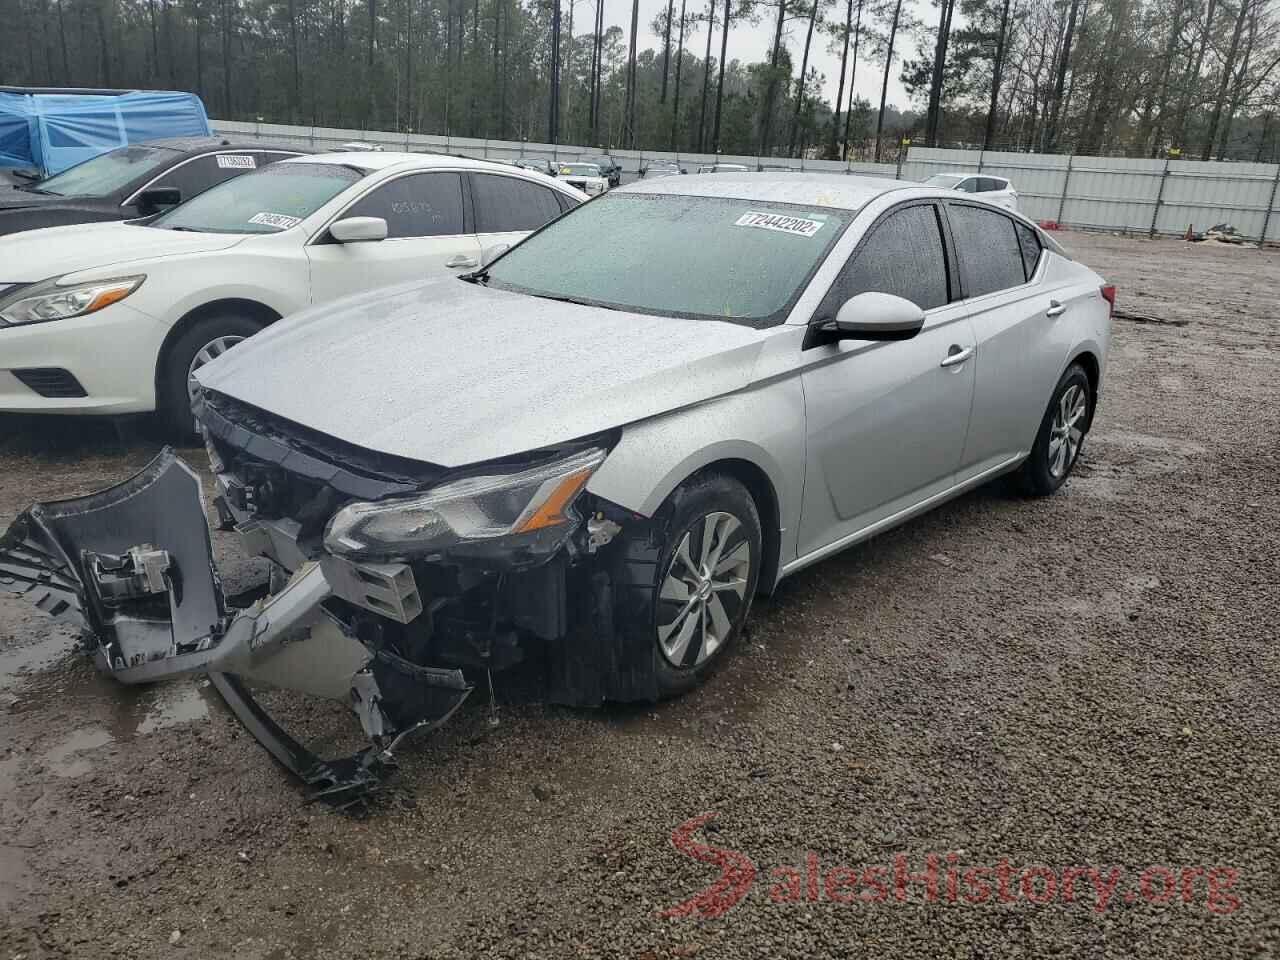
(582, 460)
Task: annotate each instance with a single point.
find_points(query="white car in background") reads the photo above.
(115, 318)
(995, 190)
(585, 176)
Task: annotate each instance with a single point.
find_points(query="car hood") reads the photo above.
(12, 198)
(453, 373)
(54, 251)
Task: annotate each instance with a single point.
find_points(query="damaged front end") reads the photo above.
(401, 576)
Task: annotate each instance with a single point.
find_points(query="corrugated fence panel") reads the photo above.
(1108, 193)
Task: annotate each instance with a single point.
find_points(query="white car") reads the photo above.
(585, 176)
(115, 318)
(995, 190)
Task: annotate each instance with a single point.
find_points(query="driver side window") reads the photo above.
(902, 255)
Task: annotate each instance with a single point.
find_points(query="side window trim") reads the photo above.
(321, 235)
(528, 181)
(129, 201)
(949, 264)
(1012, 226)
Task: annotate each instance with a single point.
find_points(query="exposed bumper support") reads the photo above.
(132, 566)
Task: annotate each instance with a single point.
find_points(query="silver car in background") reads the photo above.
(557, 457)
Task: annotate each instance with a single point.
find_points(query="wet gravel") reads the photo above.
(1088, 681)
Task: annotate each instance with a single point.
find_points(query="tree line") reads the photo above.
(1196, 78)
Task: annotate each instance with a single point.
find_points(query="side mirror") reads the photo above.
(357, 229)
(872, 316)
(157, 199)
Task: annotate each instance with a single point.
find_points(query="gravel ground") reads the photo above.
(1088, 681)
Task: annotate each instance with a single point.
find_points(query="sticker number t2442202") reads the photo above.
(797, 226)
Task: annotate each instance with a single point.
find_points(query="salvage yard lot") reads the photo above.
(1089, 680)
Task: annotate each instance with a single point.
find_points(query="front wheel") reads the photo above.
(205, 340)
(1061, 436)
(682, 612)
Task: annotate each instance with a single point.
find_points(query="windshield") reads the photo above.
(272, 199)
(579, 170)
(107, 172)
(945, 179)
(705, 257)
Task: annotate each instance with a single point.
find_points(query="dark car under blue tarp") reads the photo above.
(49, 130)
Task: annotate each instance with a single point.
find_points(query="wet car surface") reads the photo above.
(986, 679)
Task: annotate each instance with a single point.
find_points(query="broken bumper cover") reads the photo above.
(132, 566)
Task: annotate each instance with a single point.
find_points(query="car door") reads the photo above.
(508, 209)
(1022, 342)
(886, 421)
(427, 234)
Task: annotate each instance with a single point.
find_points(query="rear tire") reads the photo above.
(1061, 436)
(680, 614)
(206, 338)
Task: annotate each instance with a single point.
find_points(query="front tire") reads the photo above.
(205, 340)
(1061, 435)
(681, 613)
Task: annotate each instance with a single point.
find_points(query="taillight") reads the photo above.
(1109, 295)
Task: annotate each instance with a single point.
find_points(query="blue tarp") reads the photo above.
(51, 132)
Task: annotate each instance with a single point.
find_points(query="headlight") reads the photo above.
(595, 188)
(48, 301)
(526, 513)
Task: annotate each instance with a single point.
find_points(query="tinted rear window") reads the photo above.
(506, 204)
(1030, 244)
(990, 256)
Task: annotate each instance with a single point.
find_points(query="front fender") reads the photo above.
(763, 426)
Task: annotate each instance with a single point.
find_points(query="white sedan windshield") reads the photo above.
(704, 257)
(274, 198)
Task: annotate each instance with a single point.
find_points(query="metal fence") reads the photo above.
(1102, 193)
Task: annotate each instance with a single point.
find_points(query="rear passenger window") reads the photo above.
(968, 186)
(990, 254)
(506, 204)
(419, 205)
(1030, 244)
(988, 184)
(903, 255)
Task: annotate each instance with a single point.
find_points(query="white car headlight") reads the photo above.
(595, 188)
(527, 513)
(48, 301)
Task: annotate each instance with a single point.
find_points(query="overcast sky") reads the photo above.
(750, 43)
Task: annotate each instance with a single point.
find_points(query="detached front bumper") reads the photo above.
(132, 566)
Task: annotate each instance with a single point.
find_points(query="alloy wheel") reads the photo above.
(214, 348)
(1067, 430)
(704, 588)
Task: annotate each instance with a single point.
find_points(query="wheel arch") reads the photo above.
(253, 309)
(1087, 358)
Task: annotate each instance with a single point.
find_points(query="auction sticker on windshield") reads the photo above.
(797, 226)
(283, 221)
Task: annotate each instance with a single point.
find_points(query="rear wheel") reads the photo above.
(1061, 436)
(206, 340)
(684, 611)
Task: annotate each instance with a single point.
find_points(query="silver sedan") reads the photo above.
(587, 459)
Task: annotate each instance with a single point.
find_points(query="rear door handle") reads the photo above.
(1056, 309)
(462, 260)
(957, 355)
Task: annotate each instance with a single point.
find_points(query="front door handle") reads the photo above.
(462, 260)
(957, 355)
(1056, 309)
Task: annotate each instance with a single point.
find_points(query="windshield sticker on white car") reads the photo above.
(237, 161)
(281, 220)
(796, 226)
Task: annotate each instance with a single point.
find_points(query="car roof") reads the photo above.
(194, 144)
(372, 160)
(843, 191)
